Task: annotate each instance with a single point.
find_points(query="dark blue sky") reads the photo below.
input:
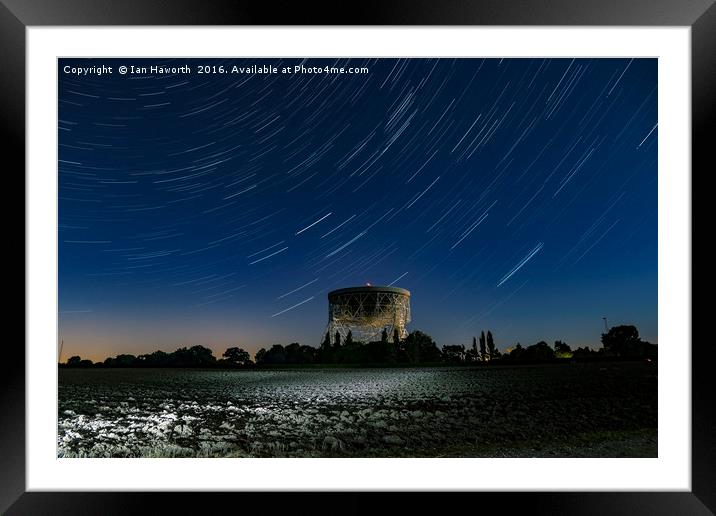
(517, 195)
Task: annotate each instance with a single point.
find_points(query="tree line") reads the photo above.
(417, 348)
(195, 356)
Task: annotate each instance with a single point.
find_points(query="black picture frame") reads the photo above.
(17, 15)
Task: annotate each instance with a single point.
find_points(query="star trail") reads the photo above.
(517, 195)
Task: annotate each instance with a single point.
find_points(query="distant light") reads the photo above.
(368, 285)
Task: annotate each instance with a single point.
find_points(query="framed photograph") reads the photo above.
(421, 249)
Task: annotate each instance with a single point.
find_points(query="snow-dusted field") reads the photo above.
(562, 410)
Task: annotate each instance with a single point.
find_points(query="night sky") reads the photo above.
(516, 195)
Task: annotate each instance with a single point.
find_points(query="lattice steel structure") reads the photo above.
(366, 311)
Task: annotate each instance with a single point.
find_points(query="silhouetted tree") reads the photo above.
(583, 352)
(125, 360)
(475, 356)
(325, 353)
(624, 341)
(337, 342)
(490, 346)
(298, 354)
(275, 355)
(156, 359)
(326, 341)
(454, 353)
(195, 356)
(516, 352)
(308, 354)
(293, 353)
(237, 356)
(180, 357)
(77, 361)
(420, 347)
(483, 350)
(562, 350)
(394, 348)
(380, 351)
(260, 356)
(348, 352)
(538, 352)
(201, 356)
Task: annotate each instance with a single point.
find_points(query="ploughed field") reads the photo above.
(570, 410)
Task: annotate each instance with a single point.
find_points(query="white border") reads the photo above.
(670, 471)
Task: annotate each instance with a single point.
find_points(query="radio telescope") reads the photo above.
(367, 311)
